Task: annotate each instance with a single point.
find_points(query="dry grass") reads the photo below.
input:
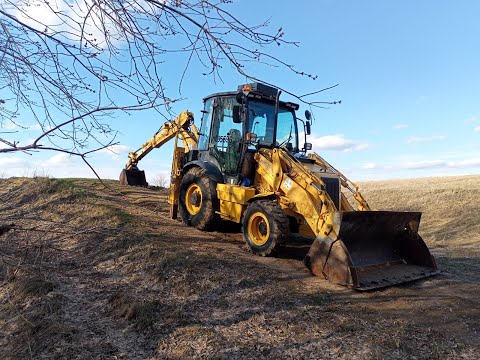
(90, 273)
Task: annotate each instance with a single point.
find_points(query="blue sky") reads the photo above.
(409, 75)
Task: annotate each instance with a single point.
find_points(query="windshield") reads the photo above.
(261, 120)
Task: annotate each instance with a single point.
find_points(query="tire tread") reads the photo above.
(279, 226)
(207, 218)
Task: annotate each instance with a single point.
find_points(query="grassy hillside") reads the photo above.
(90, 272)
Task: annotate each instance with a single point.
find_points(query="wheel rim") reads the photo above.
(193, 199)
(258, 228)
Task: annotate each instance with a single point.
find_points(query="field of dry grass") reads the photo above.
(104, 274)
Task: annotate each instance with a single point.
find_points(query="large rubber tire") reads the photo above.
(199, 213)
(265, 227)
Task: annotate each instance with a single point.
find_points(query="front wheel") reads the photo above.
(265, 227)
(198, 199)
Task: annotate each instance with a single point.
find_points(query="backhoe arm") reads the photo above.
(182, 125)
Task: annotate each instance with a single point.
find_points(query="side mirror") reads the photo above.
(308, 115)
(237, 119)
(308, 128)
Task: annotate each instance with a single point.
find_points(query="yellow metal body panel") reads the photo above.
(306, 230)
(231, 211)
(235, 193)
(233, 200)
(175, 179)
(298, 190)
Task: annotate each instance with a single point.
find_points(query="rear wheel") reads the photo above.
(198, 199)
(265, 227)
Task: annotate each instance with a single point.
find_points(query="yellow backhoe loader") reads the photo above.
(245, 165)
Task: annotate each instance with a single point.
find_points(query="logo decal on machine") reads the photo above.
(288, 183)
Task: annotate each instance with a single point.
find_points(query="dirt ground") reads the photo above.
(89, 273)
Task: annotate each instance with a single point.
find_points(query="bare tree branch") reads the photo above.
(71, 65)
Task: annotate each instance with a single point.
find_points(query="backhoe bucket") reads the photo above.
(375, 249)
(133, 178)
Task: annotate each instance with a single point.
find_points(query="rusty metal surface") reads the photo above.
(375, 277)
(375, 249)
(331, 260)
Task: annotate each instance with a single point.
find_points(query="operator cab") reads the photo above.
(236, 124)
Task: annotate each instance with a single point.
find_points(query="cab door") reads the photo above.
(225, 142)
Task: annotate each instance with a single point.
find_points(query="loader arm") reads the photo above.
(361, 249)
(299, 190)
(181, 125)
(346, 183)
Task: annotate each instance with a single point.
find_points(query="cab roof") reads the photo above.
(253, 95)
(259, 92)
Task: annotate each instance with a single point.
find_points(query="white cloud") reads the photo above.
(115, 151)
(35, 127)
(58, 160)
(474, 162)
(12, 162)
(359, 146)
(61, 165)
(417, 140)
(469, 163)
(337, 142)
(37, 14)
(66, 17)
(427, 164)
(471, 120)
(477, 129)
(369, 166)
(10, 125)
(400, 126)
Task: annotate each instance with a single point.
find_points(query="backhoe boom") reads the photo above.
(181, 127)
(166, 133)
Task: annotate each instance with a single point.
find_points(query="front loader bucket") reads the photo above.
(133, 178)
(375, 249)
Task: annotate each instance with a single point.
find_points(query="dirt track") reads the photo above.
(140, 285)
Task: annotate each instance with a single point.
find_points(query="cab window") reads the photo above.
(261, 121)
(206, 125)
(226, 136)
